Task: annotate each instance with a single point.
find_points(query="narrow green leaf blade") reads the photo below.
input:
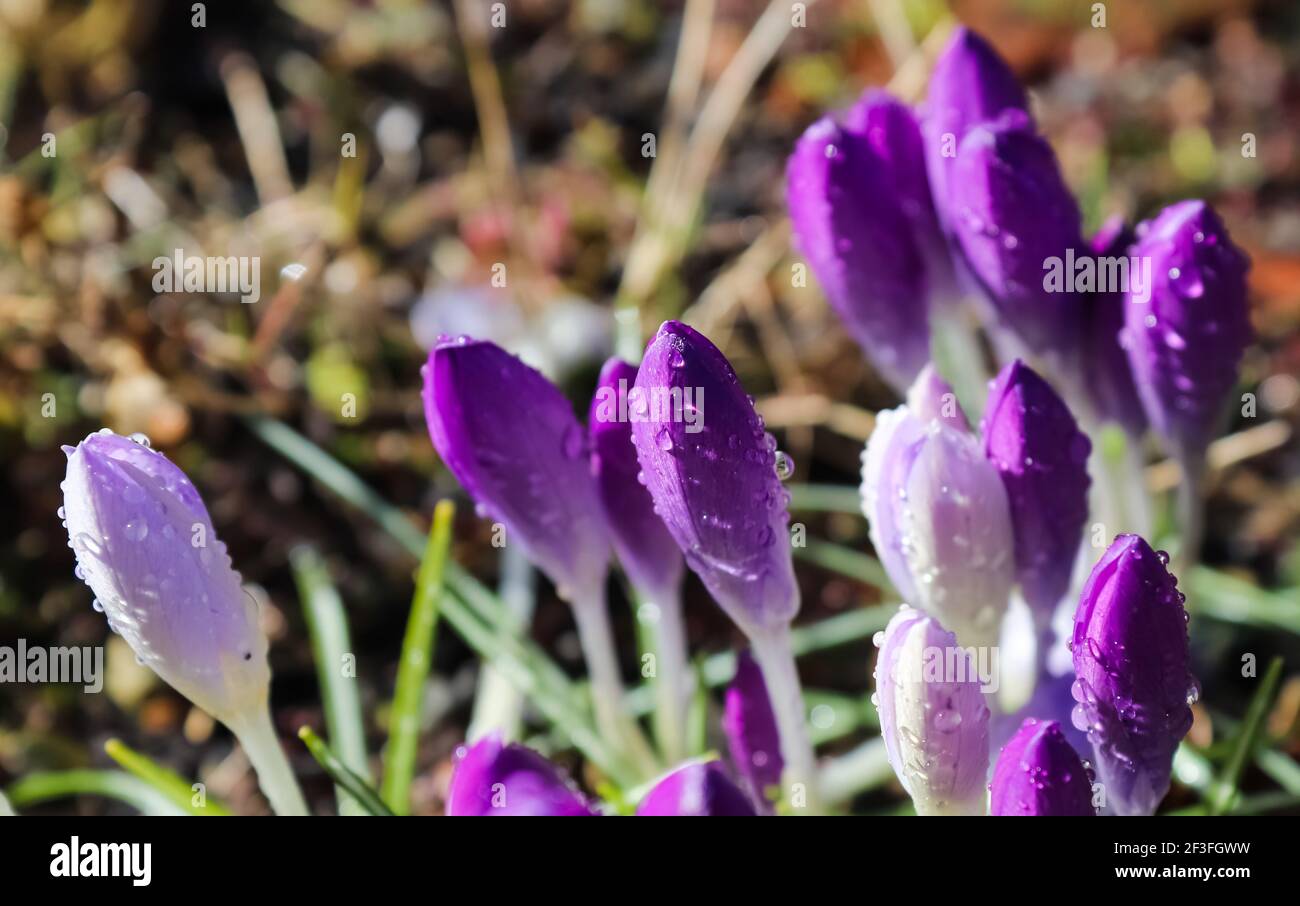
(170, 784)
(356, 786)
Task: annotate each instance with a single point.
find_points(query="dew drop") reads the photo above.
(784, 465)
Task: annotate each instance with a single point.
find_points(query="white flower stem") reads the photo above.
(775, 658)
(672, 675)
(498, 703)
(956, 351)
(274, 776)
(597, 639)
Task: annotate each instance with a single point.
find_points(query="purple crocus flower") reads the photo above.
(1107, 375)
(716, 489)
(1012, 214)
(1186, 342)
(858, 238)
(146, 547)
(648, 553)
(1033, 441)
(751, 731)
(714, 485)
(1038, 773)
(1131, 662)
(495, 778)
(511, 439)
(933, 716)
(970, 85)
(696, 790)
(938, 514)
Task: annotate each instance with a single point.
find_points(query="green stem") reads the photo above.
(363, 792)
(413, 668)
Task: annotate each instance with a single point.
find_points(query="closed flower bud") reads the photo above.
(696, 790)
(939, 520)
(648, 553)
(1107, 375)
(1038, 773)
(1185, 343)
(751, 731)
(1013, 216)
(1131, 662)
(494, 778)
(851, 227)
(146, 547)
(933, 716)
(714, 479)
(511, 439)
(1031, 438)
(970, 85)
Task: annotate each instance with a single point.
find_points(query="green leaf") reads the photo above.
(1228, 599)
(327, 624)
(825, 498)
(357, 787)
(1224, 790)
(45, 785)
(176, 788)
(413, 669)
(846, 562)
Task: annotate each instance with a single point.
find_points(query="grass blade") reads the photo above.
(1225, 598)
(343, 776)
(170, 784)
(413, 669)
(42, 786)
(847, 562)
(825, 498)
(327, 624)
(1224, 790)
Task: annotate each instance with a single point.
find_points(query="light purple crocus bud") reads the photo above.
(648, 553)
(939, 518)
(1131, 662)
(858, 241)
(696, 790)
(751, 731)
(1018, 227)
(1032, 440)
(714, 480)
(511, 439)
(1186, 342)
(931, 398)
(495, 778)
(933, 716)
(1038, 773)
(1108, 377)
(146, 546)
(970, 85)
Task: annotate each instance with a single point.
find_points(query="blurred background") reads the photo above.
(392, 163)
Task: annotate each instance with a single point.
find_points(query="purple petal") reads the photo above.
(698, 790)
(750, 727)
(511, 439)
(933, 716)
(970, 85)
(713, 480)
(1033, 441)
(648, 553)
(856, 238)
(1039, 774)
(1108, 377)
(1131, 661)
(1185, 344)
(1011, 212)
(492, 778)
(146, 547)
